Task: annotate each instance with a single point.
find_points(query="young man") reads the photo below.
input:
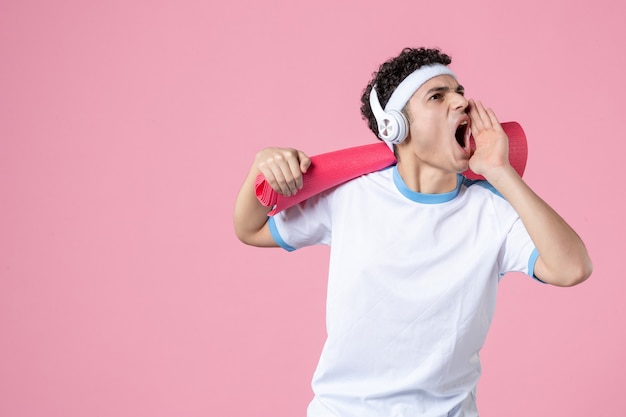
(417, 250)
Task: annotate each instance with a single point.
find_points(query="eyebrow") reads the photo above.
(443, 88)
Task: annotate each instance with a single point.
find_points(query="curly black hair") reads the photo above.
(391, 73)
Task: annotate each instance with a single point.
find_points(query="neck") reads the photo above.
(425, 179)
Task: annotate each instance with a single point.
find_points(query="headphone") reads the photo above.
(393, 127)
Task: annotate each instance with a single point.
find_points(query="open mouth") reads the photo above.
(459, 134)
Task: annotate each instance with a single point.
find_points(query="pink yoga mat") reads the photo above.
(333, 168)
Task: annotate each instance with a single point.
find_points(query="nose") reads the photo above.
(458, 101)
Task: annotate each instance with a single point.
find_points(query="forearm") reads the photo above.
(250, 216)
(563, 258)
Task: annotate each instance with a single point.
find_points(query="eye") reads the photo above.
(436, 96)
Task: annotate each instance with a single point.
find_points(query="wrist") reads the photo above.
(500, 175)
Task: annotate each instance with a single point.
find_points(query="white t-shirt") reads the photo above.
(411, 293)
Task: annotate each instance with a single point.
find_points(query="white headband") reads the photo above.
(405, 90)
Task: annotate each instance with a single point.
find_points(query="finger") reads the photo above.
(290, 169)
(284, 178)
(294, 175)
(482, 114)
(493, 118)
(305, 162)
(477, 123)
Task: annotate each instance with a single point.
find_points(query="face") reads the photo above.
(439, 125)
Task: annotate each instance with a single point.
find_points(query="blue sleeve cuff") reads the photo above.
(531, 264)
(277, 237)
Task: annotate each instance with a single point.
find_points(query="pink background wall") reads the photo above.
(126, 128)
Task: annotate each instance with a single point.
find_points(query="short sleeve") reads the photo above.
(518, 253)
(305, 224)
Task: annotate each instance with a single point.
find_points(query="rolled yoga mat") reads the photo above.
(334, 168)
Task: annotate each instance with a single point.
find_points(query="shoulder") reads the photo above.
(487, 199)
(372, 186)
(478, 185)
(377, 179)
(483, 190)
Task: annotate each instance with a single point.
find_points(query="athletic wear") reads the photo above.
(412, 289)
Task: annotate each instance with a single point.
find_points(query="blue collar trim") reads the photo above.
(426, 198)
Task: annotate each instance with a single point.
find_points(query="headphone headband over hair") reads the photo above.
(392, 125)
